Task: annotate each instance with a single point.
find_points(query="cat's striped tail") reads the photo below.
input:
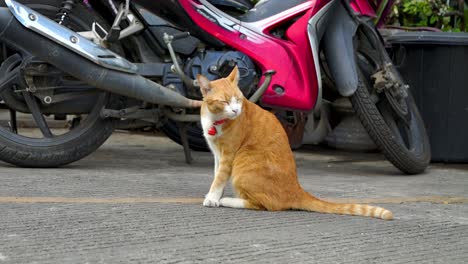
(310, 203)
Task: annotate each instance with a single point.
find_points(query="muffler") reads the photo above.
(80, 57)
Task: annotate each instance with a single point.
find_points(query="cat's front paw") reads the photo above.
(210, 201)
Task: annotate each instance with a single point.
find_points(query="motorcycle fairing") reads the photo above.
(339, 51)
(173, 12)
(362, 7)
(295, 84)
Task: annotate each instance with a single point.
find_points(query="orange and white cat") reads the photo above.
(251, 148)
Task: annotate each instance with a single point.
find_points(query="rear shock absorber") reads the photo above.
(64, 12)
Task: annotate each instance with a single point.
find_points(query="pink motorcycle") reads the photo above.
(106, 64)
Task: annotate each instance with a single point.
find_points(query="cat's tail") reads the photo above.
(311, 203)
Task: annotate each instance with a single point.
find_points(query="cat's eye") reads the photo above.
(224, 102)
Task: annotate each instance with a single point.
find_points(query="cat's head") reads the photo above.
(222, 97)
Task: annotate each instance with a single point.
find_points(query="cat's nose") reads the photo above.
(235, 111)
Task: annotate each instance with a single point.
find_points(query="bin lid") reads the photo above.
(424, 37)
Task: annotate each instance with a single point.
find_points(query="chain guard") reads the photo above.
(44, 82)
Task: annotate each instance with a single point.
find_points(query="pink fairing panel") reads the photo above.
(363, 7)
(295, 84)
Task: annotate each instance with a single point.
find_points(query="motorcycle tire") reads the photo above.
(80, 140)
(411, 159)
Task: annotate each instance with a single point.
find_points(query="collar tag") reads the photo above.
(212, 131)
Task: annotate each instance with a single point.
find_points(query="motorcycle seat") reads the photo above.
(267, 8)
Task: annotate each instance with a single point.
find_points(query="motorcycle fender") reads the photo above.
(339, 51)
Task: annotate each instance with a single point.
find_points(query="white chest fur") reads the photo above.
(207, 121)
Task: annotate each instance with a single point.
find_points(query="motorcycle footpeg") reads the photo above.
(169, 38)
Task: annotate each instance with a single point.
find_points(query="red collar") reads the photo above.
(212, 131)
(219, 122)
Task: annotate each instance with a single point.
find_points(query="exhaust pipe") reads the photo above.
(122, 82)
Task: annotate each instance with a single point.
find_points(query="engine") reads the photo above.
(218, 64)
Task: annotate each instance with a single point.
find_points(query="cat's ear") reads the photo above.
(234, 76)
(204, 84)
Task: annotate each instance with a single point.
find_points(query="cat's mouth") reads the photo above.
(233, 116)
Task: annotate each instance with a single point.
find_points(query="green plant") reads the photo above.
(428, 13)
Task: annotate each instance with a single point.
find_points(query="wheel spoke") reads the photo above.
(398, 111)
(37, 114)
(389, 118)
(411, 140)
(13, 126)
(375, 98)
(9, 72)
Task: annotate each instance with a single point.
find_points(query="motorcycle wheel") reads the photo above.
(52, 147)
(401, 138)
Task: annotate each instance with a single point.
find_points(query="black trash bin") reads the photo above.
(435, 65)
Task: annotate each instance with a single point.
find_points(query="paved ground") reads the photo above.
(136, 201)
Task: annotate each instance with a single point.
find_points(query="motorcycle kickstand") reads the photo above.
(185, 143)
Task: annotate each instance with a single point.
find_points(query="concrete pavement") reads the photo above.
(136, 201)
